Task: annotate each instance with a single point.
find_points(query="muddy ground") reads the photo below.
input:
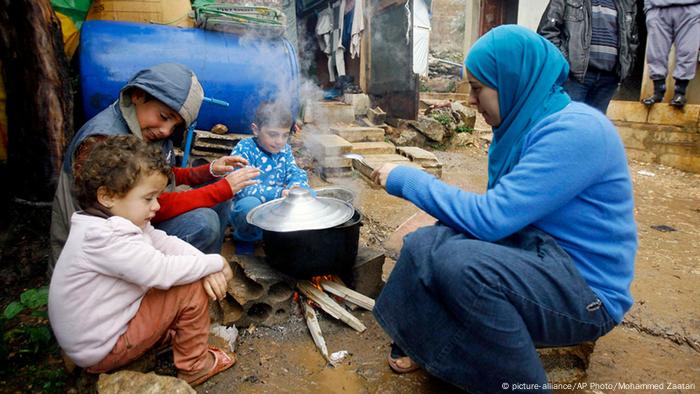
(658, 343)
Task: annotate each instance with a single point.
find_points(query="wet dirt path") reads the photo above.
(658, 343)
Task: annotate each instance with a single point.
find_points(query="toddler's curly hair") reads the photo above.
(117, 163)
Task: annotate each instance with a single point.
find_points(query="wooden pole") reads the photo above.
(314, 328)
(328, 305)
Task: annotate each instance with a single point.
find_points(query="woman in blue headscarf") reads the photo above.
(544, 257)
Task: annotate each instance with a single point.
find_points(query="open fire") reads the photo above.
(311, 292)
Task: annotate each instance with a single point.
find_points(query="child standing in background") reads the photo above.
(268, 151)
(120, 286)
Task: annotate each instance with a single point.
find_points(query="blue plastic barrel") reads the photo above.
(240, 70)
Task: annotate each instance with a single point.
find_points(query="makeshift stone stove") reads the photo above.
(260, 295)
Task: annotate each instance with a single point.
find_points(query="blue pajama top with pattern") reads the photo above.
(278, 171)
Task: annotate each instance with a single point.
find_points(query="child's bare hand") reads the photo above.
(215, 284)
(225, 164)
(242, 178)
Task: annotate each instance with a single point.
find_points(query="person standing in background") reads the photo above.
(599, 40)
(677, 22)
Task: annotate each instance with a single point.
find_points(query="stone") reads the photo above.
(665, 114)
(136, 382)
(358, 101)
(335, 162)
(331, 112)
(367, 271)
(566, 364)
(325, 145)
(439, 84)
(373, 148)
(466, 115)
(465, 139)
(372, 162)
(359, 134)
(429, 127)
(376, 115)
(627, 111)
(408, 137)
(419, 156)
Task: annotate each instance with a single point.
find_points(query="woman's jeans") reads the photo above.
(242, 230)
(203, 228)
(472, 312)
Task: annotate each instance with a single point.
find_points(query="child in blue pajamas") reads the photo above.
(268, 151)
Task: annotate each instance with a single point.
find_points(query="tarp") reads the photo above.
(421, 37)
(71, 13)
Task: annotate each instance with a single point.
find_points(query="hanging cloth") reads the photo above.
(358, 26)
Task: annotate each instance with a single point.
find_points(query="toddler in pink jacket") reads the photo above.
(121, 287)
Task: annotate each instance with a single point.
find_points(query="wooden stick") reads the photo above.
(314, 328)
(347, 294)
(328, 305)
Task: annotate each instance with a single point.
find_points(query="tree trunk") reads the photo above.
(39, 96)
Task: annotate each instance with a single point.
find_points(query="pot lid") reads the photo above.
(300, 211)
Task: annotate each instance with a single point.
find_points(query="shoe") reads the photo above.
(653, 99)
(678, 100)
(397, 354)
(222, 362)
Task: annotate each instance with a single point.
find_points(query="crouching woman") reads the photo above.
(544, 257)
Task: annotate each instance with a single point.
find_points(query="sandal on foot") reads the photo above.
(222, 362)
(397, 354)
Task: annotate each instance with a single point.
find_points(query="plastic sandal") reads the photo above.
(397, 354)
(222, 362)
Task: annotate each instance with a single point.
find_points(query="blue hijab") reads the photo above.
(527, 71)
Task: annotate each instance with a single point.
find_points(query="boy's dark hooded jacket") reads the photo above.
(173, 84)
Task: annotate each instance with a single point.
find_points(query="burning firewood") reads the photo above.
(328, 305)
(314, 328)
(347, 294)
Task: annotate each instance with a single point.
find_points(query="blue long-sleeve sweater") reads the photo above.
(572, 181)
(278, 171)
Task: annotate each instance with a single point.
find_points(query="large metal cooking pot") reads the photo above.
(307, 236)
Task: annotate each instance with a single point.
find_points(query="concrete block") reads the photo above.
(376, 115)
(257, 294)
(685, 162)
(633, 137)
(335, 162)
(665, 114)
(641, 155)
(373, 148)
(419, 156)
(334, 175)
(331, 112)
(358, 101)
(627, 111)
(372, 162)
(359, 134)
(682, 138)
(325, 145)
(367, 272)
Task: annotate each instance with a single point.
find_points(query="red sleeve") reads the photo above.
(192, 176)
(176, 203)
